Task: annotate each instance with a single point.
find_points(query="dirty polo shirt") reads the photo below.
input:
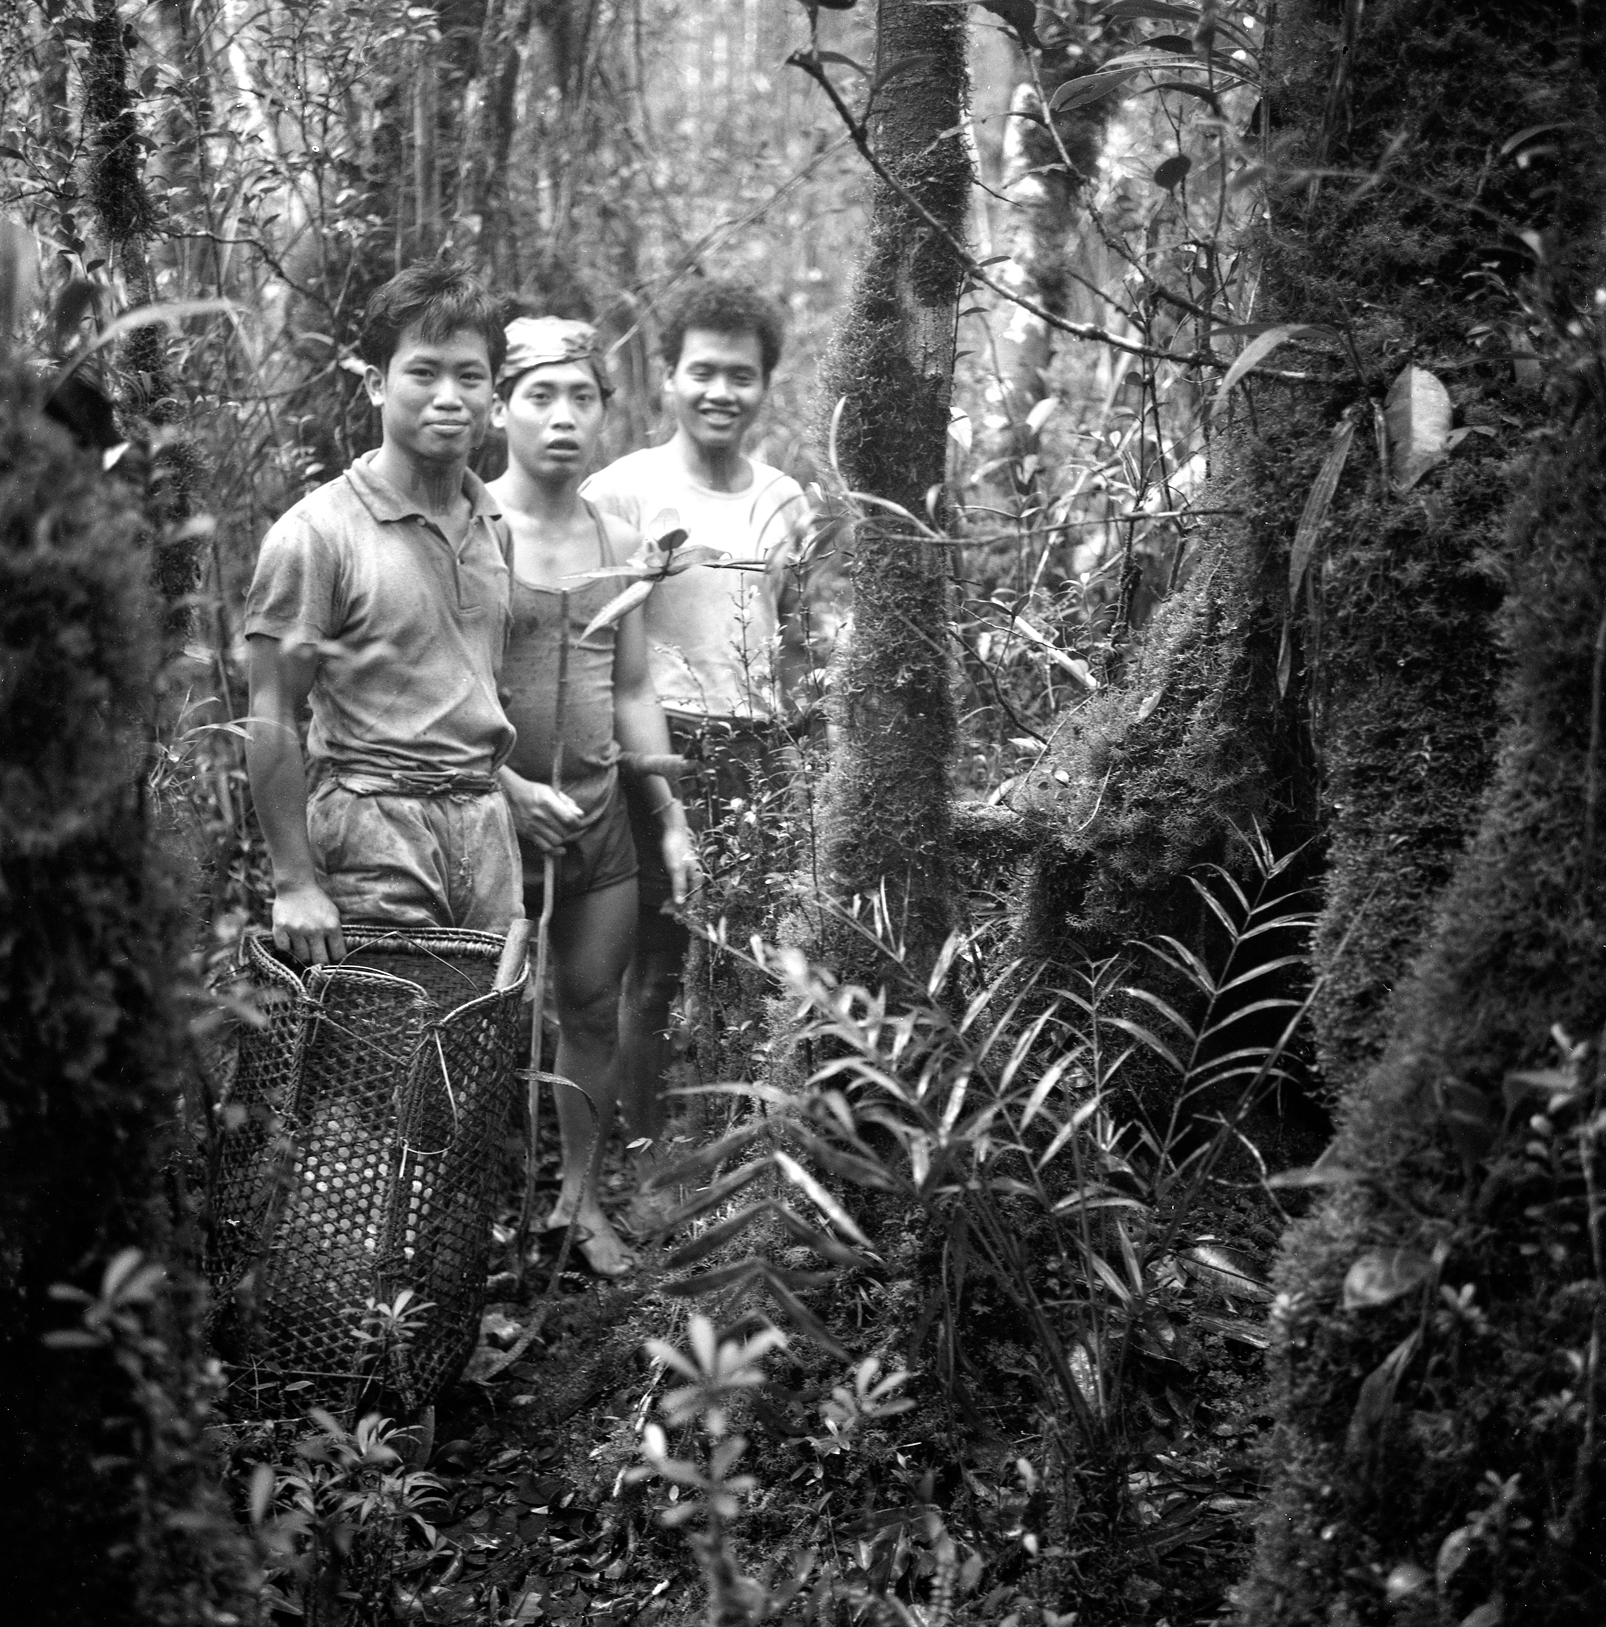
(411, 631)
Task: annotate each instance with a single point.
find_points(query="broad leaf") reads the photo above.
(1089, 88)
(1226, 1270)
(616, 609)
(1454, 1552)
(1041, 412)
(1417, 413)
(1256, 351)
(1380, 1276)
(1377, 1396)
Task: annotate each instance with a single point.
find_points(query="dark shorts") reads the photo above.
(738, 759)
(601, 856)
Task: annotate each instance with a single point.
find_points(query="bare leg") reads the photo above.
(651, 985)
(591, 937)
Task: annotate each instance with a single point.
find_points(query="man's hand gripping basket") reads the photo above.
(358, 1157)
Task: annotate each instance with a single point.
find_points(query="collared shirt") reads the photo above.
(411, 630)
(711, 629)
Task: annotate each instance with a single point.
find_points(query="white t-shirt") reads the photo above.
(712, 629)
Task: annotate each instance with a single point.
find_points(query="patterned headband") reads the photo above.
(543, 341)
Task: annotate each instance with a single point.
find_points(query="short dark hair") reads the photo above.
(719, 306)
(439, 298)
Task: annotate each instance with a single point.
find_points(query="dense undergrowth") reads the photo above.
(105, 1383)
(1017, 1371)
(969, 1322)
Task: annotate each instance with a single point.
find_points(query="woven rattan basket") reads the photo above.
(360, 1143)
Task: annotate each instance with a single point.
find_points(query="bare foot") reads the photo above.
(607, 1255)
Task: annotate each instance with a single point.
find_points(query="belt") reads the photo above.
(367, 782)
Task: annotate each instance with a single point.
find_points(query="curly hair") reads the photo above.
(718, 306)
(439, 298)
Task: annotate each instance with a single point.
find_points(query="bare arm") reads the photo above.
(305, 922)
(638, 725)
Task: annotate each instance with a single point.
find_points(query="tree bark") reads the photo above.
(887, 820)
(485, 189)
(1044, 221)
(1466, 889)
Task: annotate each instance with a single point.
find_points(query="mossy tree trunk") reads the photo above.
(1442, 964)
(1384, 743)
(1439, 1328)
(887, 822)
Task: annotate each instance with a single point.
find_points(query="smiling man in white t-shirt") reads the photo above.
(714, 632)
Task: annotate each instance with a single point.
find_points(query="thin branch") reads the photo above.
(1078, 330)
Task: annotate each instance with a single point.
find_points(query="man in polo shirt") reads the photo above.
(382, 597)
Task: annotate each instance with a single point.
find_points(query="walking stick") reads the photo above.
(543, 933)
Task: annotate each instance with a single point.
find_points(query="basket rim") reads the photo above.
(423, 943)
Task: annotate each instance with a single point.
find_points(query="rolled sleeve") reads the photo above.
(295, 589)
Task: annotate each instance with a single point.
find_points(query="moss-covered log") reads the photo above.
(886, 798)
(1436, 1459)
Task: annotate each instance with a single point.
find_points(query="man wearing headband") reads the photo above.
(552, 391)
(714, 632)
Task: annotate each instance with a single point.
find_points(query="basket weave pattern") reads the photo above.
(362, 1133)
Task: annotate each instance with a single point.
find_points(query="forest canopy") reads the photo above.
(1136, 1152)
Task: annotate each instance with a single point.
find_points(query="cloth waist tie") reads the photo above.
(458, 785)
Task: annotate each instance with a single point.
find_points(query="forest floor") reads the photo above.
(981, 1503)
(537, 1522)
